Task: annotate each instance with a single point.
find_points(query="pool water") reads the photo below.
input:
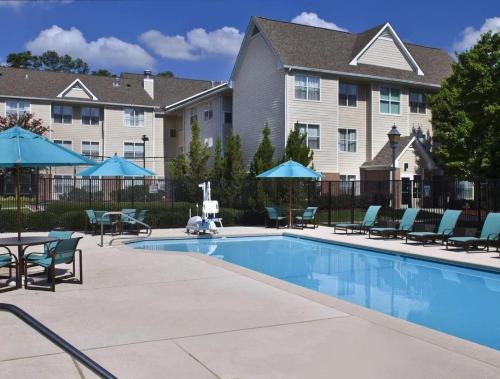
(459, 301)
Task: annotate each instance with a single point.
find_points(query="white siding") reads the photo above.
(159, 130)
(259, 98)
(384, 52)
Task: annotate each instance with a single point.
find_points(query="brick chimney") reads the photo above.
(148, 83)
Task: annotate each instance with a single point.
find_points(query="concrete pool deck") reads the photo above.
(149, 314)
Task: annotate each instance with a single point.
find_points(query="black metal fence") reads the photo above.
(60, 202)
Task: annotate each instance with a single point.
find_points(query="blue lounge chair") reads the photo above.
(489, 235)
(445, 229)
(275, 215)
(308, 216)
(405, 225)
(9, 260)
(368, 221)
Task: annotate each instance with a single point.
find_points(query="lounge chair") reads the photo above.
(133, 224)
(62, 253)
(368, 221)
(91, 222)
(275, 215)
(489, 235)
(405, 225)
(106, 221)
(9, 260)
(123, 218)
(445, 229)
(308, 215)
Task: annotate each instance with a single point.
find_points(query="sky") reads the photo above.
(200, 38)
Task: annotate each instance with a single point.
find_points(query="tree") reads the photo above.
(102, 72)
(49, 61)
(466, 113)
(263, 158)
(24, 59)
(25, 121)
(198, 155)
(296, 147)
(218, 165)
(179, 167)
(168, 74)
(234, 169)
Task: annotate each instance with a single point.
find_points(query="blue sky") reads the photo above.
(199, 39)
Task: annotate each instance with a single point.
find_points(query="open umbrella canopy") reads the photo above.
(116, 166)
(290, 170)
(22, 148)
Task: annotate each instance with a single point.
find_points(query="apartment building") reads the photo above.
(344, 90)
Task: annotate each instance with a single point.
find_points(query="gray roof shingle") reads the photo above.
(384, 156)
(325, 49)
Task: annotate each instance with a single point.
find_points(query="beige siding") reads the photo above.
(324, 113)
(159, 151)
(411, 158)
(384, 52)
(41, 110)
(172, 146)
(259, 98)
(78, 93)
(354, 118)
(2, 107)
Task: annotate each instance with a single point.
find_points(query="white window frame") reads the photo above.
(91, 142)
(347, 141)
(64, 143)
(418, 103)
(17, 101)
(59, 179)
(347, 104)
(63, 109)
(208, 114)
(135, 119)
(98, 116)
(307, 77)
(390, 100)
(307, 124)
(134, 143)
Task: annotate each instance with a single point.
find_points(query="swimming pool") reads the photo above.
(459, 301)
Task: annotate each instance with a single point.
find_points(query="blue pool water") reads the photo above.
(459, 301)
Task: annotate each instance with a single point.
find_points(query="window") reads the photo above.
(312, 134)
(172, 133)
(209, 113)
(345, 185)
(90, 116)
(465, 190)
(209, 142)
(389, 100)
(194, 115)
(417, 102)
(62, 184)
(90, 149)
(133, 117)
(348, 94)
(307, 87)
(133, 150)
(64, 143)
(347, 140)
(9, 183)
(228, 118)
(16, 107)
(62, 114)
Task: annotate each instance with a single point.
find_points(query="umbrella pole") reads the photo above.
(18, 200)
(290, 207)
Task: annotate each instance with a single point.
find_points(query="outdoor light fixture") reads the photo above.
(145, 139)
(394, 136)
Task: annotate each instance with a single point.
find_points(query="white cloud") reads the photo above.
(197, 43)
(105, 52)
(16, 4)
(470, 35)
(312, 19)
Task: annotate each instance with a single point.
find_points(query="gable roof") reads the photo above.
(221, 88)
(324, 50)
(77, 83)
(384, 156)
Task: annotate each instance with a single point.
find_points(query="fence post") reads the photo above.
(479, 212)
(133, 193)
(330, 203)
(353, 193)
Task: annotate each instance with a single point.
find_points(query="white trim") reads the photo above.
(338, 141)
(13, 99)
(62, 119)
(153, 143)
(307, 134)
(404, 151)
(307, 91)
(199, 96)
(399, 43)
(75, 101)
(287, 72)
(91, 141)
(68, 88)
(134, 126)
(400, 89)
(357, 95)
(338, 121)
(81, 116)
(365, 76)
(135, 143)
(371, 121)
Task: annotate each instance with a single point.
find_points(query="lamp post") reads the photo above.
(144, 140)
(394, 137)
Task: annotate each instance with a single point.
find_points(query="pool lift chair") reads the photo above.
(209, 220)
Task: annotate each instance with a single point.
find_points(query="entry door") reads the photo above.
(406, 191)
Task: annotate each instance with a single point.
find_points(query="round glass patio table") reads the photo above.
(22, 244)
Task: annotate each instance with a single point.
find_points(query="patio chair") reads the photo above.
(308, 215)
(123, 218)
(136, 226)
(368, 221)
(275, 215)
(62, 253)
(445, 229)
(60, 234)
(489, 235)
(405, 225)
(91, 221)
(9, 260)
(106, 220)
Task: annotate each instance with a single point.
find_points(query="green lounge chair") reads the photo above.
(62, 253)
(308, 215)
(445, 229)
(368, 221)
(489, 235)
(275, 215)
(9, 260)
(132, 224)
(60, 234)
(405, 225)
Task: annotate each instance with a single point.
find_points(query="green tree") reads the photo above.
(24, 59)
(263, 158)
(168, 74)
(102, 72)
(218, 165)
(466, 113)
(49, 61)
(234, 169)
(179, 167)
(198, 155)
(297, 149)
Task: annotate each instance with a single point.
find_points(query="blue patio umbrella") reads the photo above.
(21, 148)
(290, 170)
(116, 166)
